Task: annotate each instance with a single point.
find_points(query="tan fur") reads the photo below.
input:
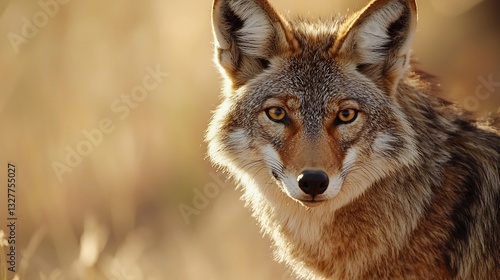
(413, 183)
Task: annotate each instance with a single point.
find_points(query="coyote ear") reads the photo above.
(248, 33)
(377, 39)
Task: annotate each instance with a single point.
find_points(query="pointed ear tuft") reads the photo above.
(377, 39)
(248, 33)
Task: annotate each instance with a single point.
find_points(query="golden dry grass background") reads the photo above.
(116, 215)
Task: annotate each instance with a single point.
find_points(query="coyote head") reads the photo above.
(311, 110)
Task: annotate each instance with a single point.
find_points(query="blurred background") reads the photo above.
(103, 108)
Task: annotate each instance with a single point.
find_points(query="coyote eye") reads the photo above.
(347, 116)
(276, 114)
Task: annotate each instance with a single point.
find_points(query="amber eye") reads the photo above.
(276, 114)
(347, 116)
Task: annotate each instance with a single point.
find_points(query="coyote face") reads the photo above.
(325, 128)
(312, 104)
(346, 159)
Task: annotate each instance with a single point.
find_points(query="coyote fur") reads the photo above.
(348, 160)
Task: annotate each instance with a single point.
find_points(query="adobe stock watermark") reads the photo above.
(31, 26)
(121, 108)
(487, 86)
(202, 198)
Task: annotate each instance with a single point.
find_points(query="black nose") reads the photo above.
(313, 182)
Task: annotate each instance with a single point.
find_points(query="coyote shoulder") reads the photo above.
(348, 161)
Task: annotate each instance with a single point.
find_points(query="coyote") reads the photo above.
(348, 161)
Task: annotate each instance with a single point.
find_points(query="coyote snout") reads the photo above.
(309, 170)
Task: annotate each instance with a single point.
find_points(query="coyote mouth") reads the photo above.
(311, 203)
